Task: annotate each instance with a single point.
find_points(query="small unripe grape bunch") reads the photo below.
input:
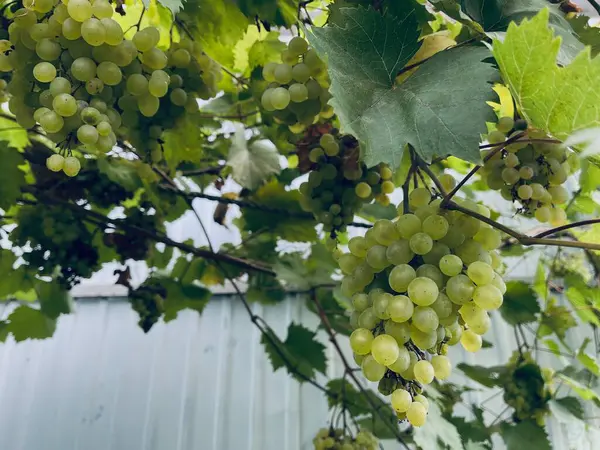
(297, 93)
(531, 174)
(439, 269)
(69, 165)
(339, 185)
(337, 438)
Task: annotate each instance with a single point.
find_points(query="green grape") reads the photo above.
(401, 276)
(44, 72)
(48, 49)
(399, 252)
(447, 181)
(372, 370)
(83, 69)
(505, 124)
(416, 414)
(471, 341)
(526, 173)
(298, 92)
(87, 134)
(543, 214)
(60, 85)
(511, 160)
(314, 89)
(424, 372)
(357, 246)
(454, 237)
(441, 366)
(421, 243)
(489, 238)
(450, 265)
(72, 166)
(154, 58)
(402, 362)
(51, 122)
(480, 273)
(401, 400)
(419, 197)
(423, 291)
(93, 32)
(283, 73)
(480, 324)
(472, 251)
(38, 113)
(145, 39)
(104, 128)
(408, 225)
(368, 319)
(361, 341)
(79, 10)
(90, 116)
(280, 98)
(65, 105)
(113, 32)
(181, 58)
(510, 175)
(455, 333)
(432, 272)
(137, 84)
(400, 308)
(158, 87)
(442, 306)
(488, 297)
(363, 190)
(360, 301)
(385, 232)
(268, 72)
(148, 105)
(102, 9)
(380, 305)
(55, 162)
(425, 319)
(301, 73)
(94, 86)
(377, 258)
(524, 192)
(178, 97)
(435, 226)
(109, 73)
(460, 289)
(384, 349)
(298, 46)
(399, 331)
(559, 194)
(496, 137)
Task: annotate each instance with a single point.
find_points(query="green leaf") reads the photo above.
(380, 423)
(520, 304)
(556, 319)
(588, 361)
(487, 376)
(265, 289)
(252, 164)
(121, 171)
(376, 211)
(439, 433)
(585, 300)
(27, 323)
(588, 34)
(300, 353)
(343, 393)
(265, 50)
(217, 25)
(542, 90)
(292, 270)
(54, 299)
(181, 296)
(185, 141)
(566, 409)
(173, 5)
(540, 286)
(589, 177)
(274, 12)
(293, 225)
(437, 109)
(526, 434)
(496, 15)
(12, 134)
(583, 391)
(13, 178)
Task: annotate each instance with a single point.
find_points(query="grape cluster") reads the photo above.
(525, 388)
(297, 92)
(336, 439)
(75, 74)
(338, 184)
(418, 284)
(149, 305)
(530, 173)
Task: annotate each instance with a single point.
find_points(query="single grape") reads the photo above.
(145, 39)
(368, 319)
(435, 226)
(283, 73)
(419, 197)
(425, 319)
(480, 273)
(51, 122)
(87, 134)
(471, 341)
(55, 162)
(361, 341)
(399, 331)
(401, 400)
(400, 308)
(363, 190)
(488, 297)
(377, 258)
(402, 362)
(44, 72)
(424, 372)
(450, 265)
(399, 252)
(93, 32)
(380, 305)
(298, 45)
(442, 306)
(372, 370)
(401, 276)
(423, 291)
(65, 105)
(421, 243)
(280, 98)
(460, 289)
(83, 69)
(441, 366)
(505, 124)
(72, 166)
(384, 349)
(416, 414)
(360, 301)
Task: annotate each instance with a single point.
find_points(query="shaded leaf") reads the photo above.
(54, 299)
(487, 376)
(556, 319)
(13, 178)
(173, 5)
(433, 110)
(299, 353)
(566, 409)
(121, 171)
(526, 434)
(27, 323)
(520, 304)
(588, 361)
(439, 433)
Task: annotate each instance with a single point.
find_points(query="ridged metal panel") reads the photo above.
(197, 383)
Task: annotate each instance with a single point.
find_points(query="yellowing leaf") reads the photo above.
(554, 99)
(506, 107)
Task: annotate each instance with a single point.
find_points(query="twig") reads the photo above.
(566, 227)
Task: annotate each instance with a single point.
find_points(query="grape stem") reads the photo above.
(348, 369)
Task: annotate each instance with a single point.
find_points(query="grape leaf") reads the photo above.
(496, 15)
(344, 393)
(439, 434)
(252, 164)
(585, 300)
(557, 100)
(54, 299)
(437, 109)
(588, 361)
(526, 434)
(173, 5)
(121, 171)
(555, 318)
(295, 271)
(299, 353)
(183, 142)
(27, 323)
(274, 12)
(13, 134)
(13, 178)
(487, 376)
(566, 409)
(588, 34)
(520, 304)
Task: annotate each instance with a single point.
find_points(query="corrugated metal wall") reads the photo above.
(197, 383)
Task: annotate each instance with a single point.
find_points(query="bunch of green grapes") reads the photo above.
(419, 284)
(337, 439)
(526, 389)
(339, 185)
(75, 74)
(530, 173)
(297, 93)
